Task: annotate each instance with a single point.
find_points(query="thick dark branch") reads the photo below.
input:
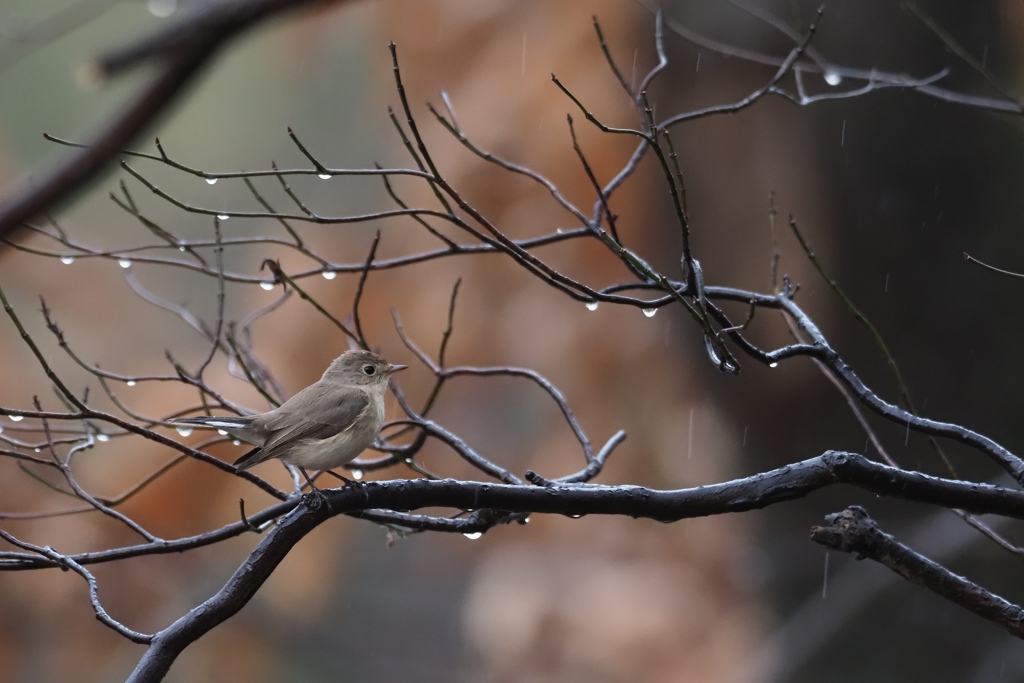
(758, 491)
(853, 531)
(739, 495)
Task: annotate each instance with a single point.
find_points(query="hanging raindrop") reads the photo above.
(161, 9)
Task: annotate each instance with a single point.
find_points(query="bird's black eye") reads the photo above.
(369, 370)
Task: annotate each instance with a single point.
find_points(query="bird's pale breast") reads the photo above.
(344, 447)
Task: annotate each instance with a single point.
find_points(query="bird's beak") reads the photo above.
(396, 368)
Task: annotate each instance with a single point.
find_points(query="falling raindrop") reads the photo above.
(473, 536)
(267, 285)
(211, 181)
(131, 383)
(124, 263)
(591, 305)
(103, 437)
(357, 475)
(774, 364)
(324, 176)
(222, 432)
(183, 430)
(330, 274)
(649, 312)
(161, 9)
(833, 78)
(689, 437)
(67, 260)
(17, 418)
(223, 216)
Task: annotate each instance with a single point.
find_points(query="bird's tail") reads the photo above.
(225, 422)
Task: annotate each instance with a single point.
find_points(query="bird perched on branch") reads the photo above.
(326, 425)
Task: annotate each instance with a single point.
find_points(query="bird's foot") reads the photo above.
(349, 483)
(315, 499)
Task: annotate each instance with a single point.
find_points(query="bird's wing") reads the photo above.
(326, 412)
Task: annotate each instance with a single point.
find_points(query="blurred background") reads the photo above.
(890, 189)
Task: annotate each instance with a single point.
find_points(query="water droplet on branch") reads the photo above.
(357, 475)
(16, 418)
(267, 285)
(161, 9)
(211, 181)
(832, 78)
(324, 176)
(124, 263)
(473, 536)
(103, 437)
(183, 430)
(591, 305)
(131, 383)
(67, 260)
(649, 312)
(330, 274)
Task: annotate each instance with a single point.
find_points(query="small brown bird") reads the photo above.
(327, 424)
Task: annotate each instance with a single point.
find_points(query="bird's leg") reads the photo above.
(315, 498)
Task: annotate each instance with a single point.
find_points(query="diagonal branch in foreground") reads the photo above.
(180, 51)
(853, 531)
